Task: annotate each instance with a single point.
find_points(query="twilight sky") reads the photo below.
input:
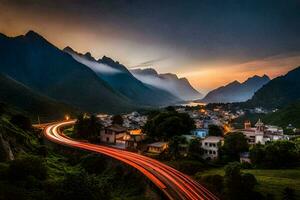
(211, 42)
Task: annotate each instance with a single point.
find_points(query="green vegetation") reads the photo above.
(117, 119)
(270, 181)
(87, 127)
(285, 116)
(215, 130)
(29, 170)
(278, 154)
(166, 124)
(234, 144)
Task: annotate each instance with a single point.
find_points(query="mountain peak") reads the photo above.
(32, 34)
(68, 49)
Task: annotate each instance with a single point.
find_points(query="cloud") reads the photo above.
(96, 67)
(148, 63)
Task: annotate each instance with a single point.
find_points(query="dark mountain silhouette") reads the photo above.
(179, 87)
(120, 79)
(34, 62)
(34, 104)
(278, 92)
(236, 91)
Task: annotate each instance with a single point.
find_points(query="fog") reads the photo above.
(95, 66)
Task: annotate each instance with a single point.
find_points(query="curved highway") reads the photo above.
(174, 184)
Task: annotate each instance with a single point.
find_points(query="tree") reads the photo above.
(165, 125)
(239, 186)
(276, 154)
(22, 122)
(26, 166)
(234, 144)
(289, 194)
(214, 130)
(174, 146)
(257, 154)
(195, 150)
(87, 127)
(117, 119)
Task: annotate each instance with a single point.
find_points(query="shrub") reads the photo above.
(25, 166)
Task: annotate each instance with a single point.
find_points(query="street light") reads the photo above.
(67, 117)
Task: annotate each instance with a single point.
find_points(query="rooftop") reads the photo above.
(213, 139)
(158, 144)
(116, 128)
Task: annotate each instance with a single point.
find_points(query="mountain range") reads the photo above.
(120, 79)
(78, 81)
(34, 62)
(179, 87)
(236, 91)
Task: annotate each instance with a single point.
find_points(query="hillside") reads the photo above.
(32, 103)
(278, 92)
(179, 87)
(236, 91)
(285, 116)
(31, 170)
(34, 62)
(120, 79)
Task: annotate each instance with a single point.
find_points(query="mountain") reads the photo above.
(179, 87)
(31, 60)
(120, 79)
(278, 92)
(236, 91)
(32, 103)
(290, 114)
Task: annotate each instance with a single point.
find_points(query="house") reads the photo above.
(200, 132)
(133, 139)
(261, 133)
(157, 147)
(210, 146)
(112, 133)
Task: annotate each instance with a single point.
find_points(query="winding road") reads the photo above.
(174, 184)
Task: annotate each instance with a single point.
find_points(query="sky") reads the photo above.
(211, 42)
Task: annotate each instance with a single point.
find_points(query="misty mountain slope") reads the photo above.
(179, 87)
(36, 63)
(236, 91)
(278, 92)
(23, 98)
(120, 79)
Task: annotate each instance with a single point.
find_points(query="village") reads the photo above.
(128, 133)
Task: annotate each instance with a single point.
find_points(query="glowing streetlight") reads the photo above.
(67, 117)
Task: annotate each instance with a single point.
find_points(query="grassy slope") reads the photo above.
(270, 181)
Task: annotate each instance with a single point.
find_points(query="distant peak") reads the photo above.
(266, 77)
(106, 59)
(89, 56)
(68, 49)
(33, 34)
(234, 82)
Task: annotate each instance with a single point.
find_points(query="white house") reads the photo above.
(210, 146)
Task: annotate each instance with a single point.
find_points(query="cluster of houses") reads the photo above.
(130, 136)
(261, 133)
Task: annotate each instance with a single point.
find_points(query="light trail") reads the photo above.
(174, 184)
